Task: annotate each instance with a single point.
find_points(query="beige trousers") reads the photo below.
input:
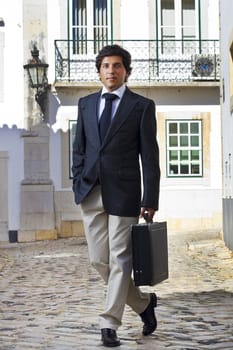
(109, 247)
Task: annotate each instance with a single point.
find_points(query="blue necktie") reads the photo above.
(105, 119)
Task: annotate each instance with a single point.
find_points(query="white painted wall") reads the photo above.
(226, 9)
(12, 104)
(213, 19)
(215, 144)
(54, 32)
(134, 19)
(12, 107)
(11, 142)
(195, 198)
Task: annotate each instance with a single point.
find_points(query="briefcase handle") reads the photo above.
(146, 218)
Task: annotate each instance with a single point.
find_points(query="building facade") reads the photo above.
(226, 34)
(175, 58)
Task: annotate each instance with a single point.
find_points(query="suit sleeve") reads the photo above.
(149, 157)
(78, 154)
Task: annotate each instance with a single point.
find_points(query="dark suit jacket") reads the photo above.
(115, 164)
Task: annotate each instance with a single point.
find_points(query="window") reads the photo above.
(188, 30)
(177, 22)
(184, 148)
(167, 19)
(90, 26)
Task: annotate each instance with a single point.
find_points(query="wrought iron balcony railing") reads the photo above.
(153, 61)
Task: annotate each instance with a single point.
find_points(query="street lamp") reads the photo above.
(37, 73)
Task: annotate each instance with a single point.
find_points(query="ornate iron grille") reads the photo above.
(152, 61)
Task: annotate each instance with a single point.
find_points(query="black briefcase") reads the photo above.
(150, 253)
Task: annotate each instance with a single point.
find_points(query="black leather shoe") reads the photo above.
(109, 337)
(148, 316)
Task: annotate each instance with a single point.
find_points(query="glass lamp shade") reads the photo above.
(37, 71)
(37, 74)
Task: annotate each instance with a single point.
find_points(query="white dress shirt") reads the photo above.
(119, 92)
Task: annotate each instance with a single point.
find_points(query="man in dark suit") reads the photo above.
(107, 155)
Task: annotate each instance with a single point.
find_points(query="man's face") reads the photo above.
(112, 72)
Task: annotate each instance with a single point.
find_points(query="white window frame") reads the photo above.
(89, 44)
(178, 149)
(178, 23)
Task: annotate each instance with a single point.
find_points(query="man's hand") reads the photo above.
(149, 212)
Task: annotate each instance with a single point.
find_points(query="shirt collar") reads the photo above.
(119, 92)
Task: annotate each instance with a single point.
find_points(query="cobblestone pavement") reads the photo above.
(50, 298)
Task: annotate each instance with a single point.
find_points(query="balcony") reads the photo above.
(153, 61)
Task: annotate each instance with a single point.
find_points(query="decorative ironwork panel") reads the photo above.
(152, 60)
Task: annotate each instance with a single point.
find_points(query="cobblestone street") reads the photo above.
(50, 298)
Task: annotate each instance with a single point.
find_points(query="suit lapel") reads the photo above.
(127, 103)
(93, 114)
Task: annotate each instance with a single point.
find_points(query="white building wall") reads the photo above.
(134, 16)
(54, 12)
(188, 203)
(12, 143)
(12, 111)
(12, 106)
(226, 8)
(226, 33)
(213, 19)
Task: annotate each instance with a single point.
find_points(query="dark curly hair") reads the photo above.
(114, 50)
